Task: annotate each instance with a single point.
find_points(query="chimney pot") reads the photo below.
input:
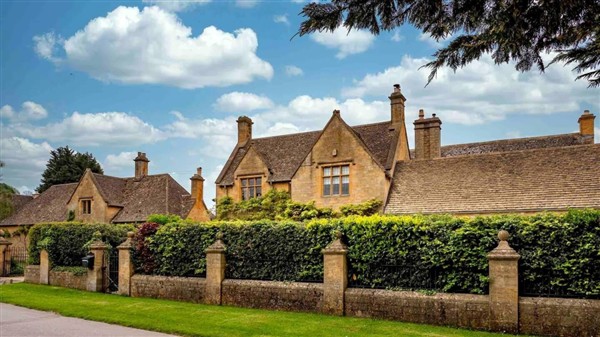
(421, 113)
(199, 171)
(433, 115)
(396, 87)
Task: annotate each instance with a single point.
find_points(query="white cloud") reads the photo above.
(103, 128)
(242, 102)
(218, 135)
(121, 160)
(23, 159)
(46, 45)
(176, 5)
(281, 19)
(293, 71)
(430, 41)
(397, 37)
(347, 43)
(152, 46)
(246, 3)
(29, 111)
(479, 93)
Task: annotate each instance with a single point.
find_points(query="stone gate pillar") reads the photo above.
(4, 255)
(335, 276)
(44, 267)
(96, 276)
(215, 270)
(125, 265)
(504, 286)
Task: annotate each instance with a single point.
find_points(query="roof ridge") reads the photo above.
(305, 132)
(512, 139)
(510, 152)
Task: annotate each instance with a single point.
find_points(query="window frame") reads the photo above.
(254, 187)
(86, 202)
(330, 177)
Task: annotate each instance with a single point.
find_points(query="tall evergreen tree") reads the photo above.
(517, 30)
(67, 166)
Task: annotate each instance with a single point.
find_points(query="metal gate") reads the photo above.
(113, 272)
(15, 260)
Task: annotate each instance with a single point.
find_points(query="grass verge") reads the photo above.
(191, 319)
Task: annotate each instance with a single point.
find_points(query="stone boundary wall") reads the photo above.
(67, 279)
(289, 296)
(188, 289)
(459, 310)
(560, 317)
(32, 274)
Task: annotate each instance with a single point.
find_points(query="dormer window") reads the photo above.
(86, 206)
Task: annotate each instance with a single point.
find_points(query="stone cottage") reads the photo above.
(99, 198)
(343, 164)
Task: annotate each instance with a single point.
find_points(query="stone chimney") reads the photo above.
(198, 185)
(244, 129)
(141, 165)
(397, 101)
(427, 136)
(586, 126)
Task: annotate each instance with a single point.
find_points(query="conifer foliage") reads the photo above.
(67, 166)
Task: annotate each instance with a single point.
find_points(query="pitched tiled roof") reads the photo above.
(517, 144)
(19, 201)
(111, 188)
(284, 154)
(517, 181)
(150, 195)
(49, 206)
(138, 198)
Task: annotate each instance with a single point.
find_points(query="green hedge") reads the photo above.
(66, 241)
(560, 254)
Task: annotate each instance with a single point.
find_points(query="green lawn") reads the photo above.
(205, 320)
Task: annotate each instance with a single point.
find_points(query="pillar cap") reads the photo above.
(336, 246)
(503, 251)
(218, 246)
(127, 244)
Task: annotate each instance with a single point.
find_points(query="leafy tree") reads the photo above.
(6, 203)
(515, 30)
(67, 166)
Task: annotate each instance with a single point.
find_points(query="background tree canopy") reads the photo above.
(515, 30)
(66, 166)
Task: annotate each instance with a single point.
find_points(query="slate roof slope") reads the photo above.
(150, 195)
(284, 154)
(49, 206)
(517, 181)
(111, 188)
(19, 200)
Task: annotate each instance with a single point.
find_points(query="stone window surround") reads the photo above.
(330, 168)
(86, 205)
(255, 187)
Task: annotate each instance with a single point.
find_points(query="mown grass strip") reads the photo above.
(189, 319)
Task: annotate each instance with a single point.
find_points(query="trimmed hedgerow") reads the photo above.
(560, 254)
(66, 241)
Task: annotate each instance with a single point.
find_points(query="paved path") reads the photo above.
(21, 322)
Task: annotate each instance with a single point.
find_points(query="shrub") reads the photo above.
(162, 219)
(142, 256)
(65, 241)
(366, 208)
(559, 253)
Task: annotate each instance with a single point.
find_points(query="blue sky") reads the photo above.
(170, 78)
